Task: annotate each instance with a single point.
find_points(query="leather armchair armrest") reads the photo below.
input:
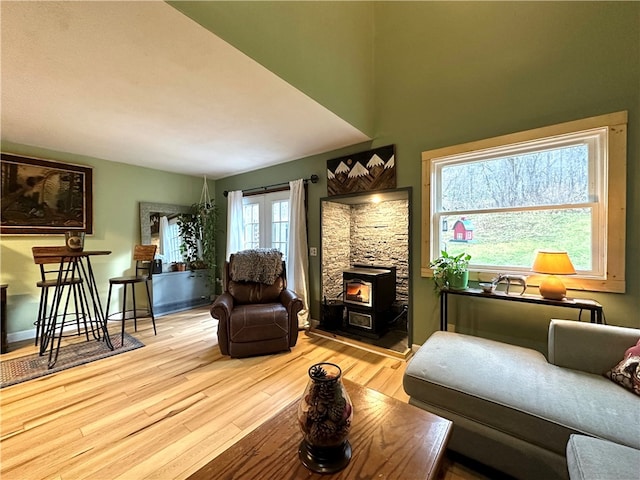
(221, 309)
(293, 304)
(287, 297)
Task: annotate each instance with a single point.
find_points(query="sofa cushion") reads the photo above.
(627, 372)
(594, 459)
(514, 390)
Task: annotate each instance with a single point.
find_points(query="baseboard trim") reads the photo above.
(361, 345)
(22, 335)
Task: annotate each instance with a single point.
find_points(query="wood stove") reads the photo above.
(369, 293)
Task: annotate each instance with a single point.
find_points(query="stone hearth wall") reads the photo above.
(336, 248)
(380, 236)
(368, 233)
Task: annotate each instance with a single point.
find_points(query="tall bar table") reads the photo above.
(81, 266)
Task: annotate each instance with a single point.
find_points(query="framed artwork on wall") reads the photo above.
(43, 197)
(362, 172)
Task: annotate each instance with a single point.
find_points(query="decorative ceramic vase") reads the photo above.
(325, 413)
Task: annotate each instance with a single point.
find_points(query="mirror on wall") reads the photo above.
(174, 290)
(365, 261)
(150, 214)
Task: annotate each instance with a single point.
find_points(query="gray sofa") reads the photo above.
(514, 410)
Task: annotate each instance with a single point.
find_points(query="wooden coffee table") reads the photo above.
(390, 440)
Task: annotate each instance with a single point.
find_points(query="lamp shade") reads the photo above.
(553, 263)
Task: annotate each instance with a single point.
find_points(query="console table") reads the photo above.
(594, 307)
(176, 291)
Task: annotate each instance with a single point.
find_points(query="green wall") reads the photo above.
(453, 72)
(117, 191)
(322, 48)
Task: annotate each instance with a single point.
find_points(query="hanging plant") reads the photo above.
(208, 217)
(189, 227)
(198, 230)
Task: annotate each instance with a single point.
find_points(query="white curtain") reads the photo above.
(298, 258)
(234, 223)
(164, 249)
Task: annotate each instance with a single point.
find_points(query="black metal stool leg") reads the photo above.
(106, 313)
(153, 318)
(54, 358)
(74, 290)
(86, 313)
(42, 313)
(124, 314)
(135, 307)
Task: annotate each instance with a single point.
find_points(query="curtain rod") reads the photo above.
(313, 179)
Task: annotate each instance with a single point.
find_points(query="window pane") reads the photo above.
(280, 211)
(266, 221)
(251, 213)
(172, 253)
(279, 232)
(251, 216)
(511, 238)
(280, 226)
(551, 177)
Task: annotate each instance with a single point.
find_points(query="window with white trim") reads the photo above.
(266, 221)
(551, 188)
(172, 250)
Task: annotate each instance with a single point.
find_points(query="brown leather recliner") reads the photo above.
(256, 318)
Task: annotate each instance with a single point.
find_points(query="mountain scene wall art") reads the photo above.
(362, 172)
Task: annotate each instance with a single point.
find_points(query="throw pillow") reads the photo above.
(627, 372)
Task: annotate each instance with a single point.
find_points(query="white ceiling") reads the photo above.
(141, 83)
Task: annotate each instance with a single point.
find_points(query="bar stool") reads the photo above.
(143, 256)
(63, 277)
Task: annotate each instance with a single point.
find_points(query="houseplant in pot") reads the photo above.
(451, 271)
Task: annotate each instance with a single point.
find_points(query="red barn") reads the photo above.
(463, 230)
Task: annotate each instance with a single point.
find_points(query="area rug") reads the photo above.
(21, 369)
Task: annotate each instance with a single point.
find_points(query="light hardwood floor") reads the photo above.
(165, 410)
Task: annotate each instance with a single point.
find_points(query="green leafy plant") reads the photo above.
(208, 213)
(198, 232)
(189, 226)
(446, 266)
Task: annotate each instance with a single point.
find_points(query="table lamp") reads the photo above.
(552, 264)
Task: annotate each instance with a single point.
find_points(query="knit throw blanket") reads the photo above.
(262, 265)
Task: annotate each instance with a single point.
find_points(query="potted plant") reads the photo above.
(451, 271)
